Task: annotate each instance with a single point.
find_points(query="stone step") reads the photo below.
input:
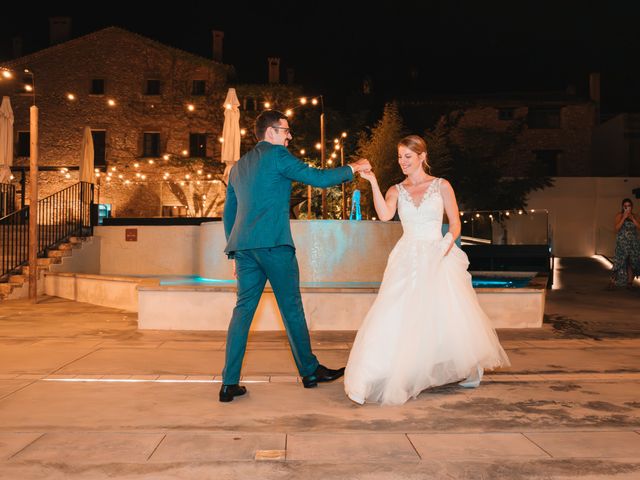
(59, 253)
(49, 260)
(78, 239)
(41, 268)
(7, 288)
(69, 246)
(18, 279)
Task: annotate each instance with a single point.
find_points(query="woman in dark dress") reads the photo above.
(626, 263)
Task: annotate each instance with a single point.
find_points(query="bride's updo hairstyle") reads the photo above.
(417, 145)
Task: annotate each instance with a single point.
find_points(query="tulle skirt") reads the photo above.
(425, 328)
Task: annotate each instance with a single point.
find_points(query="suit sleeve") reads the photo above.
(293, 169)
(230, 209)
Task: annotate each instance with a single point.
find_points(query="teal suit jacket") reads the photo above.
(256, 211)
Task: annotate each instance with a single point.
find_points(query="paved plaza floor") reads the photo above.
(84, 394)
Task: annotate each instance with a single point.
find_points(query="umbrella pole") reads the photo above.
(33, 206)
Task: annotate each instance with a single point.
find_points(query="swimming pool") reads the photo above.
(478, 281)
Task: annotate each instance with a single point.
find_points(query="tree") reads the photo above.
(380, 147)
(307, 135)
(476, 160)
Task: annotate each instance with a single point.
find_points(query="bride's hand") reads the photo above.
(367, 175)
(446, 244)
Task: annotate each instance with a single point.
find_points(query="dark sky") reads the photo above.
(452, 46)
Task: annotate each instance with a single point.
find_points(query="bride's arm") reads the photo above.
(451, 207)
(385, 207)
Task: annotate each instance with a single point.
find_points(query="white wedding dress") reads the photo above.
(426, 327)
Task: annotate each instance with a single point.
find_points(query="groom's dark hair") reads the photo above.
(265, 120)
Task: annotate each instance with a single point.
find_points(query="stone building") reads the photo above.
(156, 116)
(551, 131)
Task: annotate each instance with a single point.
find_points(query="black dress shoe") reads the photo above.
(227, 392)
(322, 374)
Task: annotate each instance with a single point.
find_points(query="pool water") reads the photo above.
(478, 282)
(500, 282)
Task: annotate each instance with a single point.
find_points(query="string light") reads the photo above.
(191, 107)
(111, 102)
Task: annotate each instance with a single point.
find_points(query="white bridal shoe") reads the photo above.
(355, 398)
(473, 380)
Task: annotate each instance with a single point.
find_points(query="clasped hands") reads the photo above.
(363, 167)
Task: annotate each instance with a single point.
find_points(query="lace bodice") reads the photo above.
(425, 218)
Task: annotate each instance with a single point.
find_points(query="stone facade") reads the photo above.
(165, 93)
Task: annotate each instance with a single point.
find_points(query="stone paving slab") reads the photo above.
(588, 444)
(210, 447)
(132, 361)
(474, 445)
(90, 447)
(7, 387)
(37, 359)
(336, 448)
(12, 442)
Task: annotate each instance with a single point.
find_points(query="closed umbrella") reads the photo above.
(231, 131)
(86, 157)
(6, 140)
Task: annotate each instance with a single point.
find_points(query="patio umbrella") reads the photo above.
(86, 157)
(231, 131)
(6, 140)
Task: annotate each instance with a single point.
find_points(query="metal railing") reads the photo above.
(7, 199)
(64, 214)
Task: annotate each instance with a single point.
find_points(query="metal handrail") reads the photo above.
(7, 199)
(64, 214)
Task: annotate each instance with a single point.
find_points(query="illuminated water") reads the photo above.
(478, 282)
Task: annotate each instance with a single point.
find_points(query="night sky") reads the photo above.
(408, 48)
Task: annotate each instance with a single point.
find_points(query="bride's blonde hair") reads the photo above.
(417, 145)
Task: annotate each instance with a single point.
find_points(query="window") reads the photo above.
(248, 104)
(544, 118)
(506, 113)
(198, 87)
(174, 211)
(197, 144)
(547, 161)
(99, 150)
(24, 144)
(104, 211)
(153, 87)
(97, 86)
(151, 144)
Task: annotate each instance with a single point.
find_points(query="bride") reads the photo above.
(425, 327)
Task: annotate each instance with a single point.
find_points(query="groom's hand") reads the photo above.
(360, 165)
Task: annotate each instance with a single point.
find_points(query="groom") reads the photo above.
(256, 224)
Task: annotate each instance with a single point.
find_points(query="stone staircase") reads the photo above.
(17, 285)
